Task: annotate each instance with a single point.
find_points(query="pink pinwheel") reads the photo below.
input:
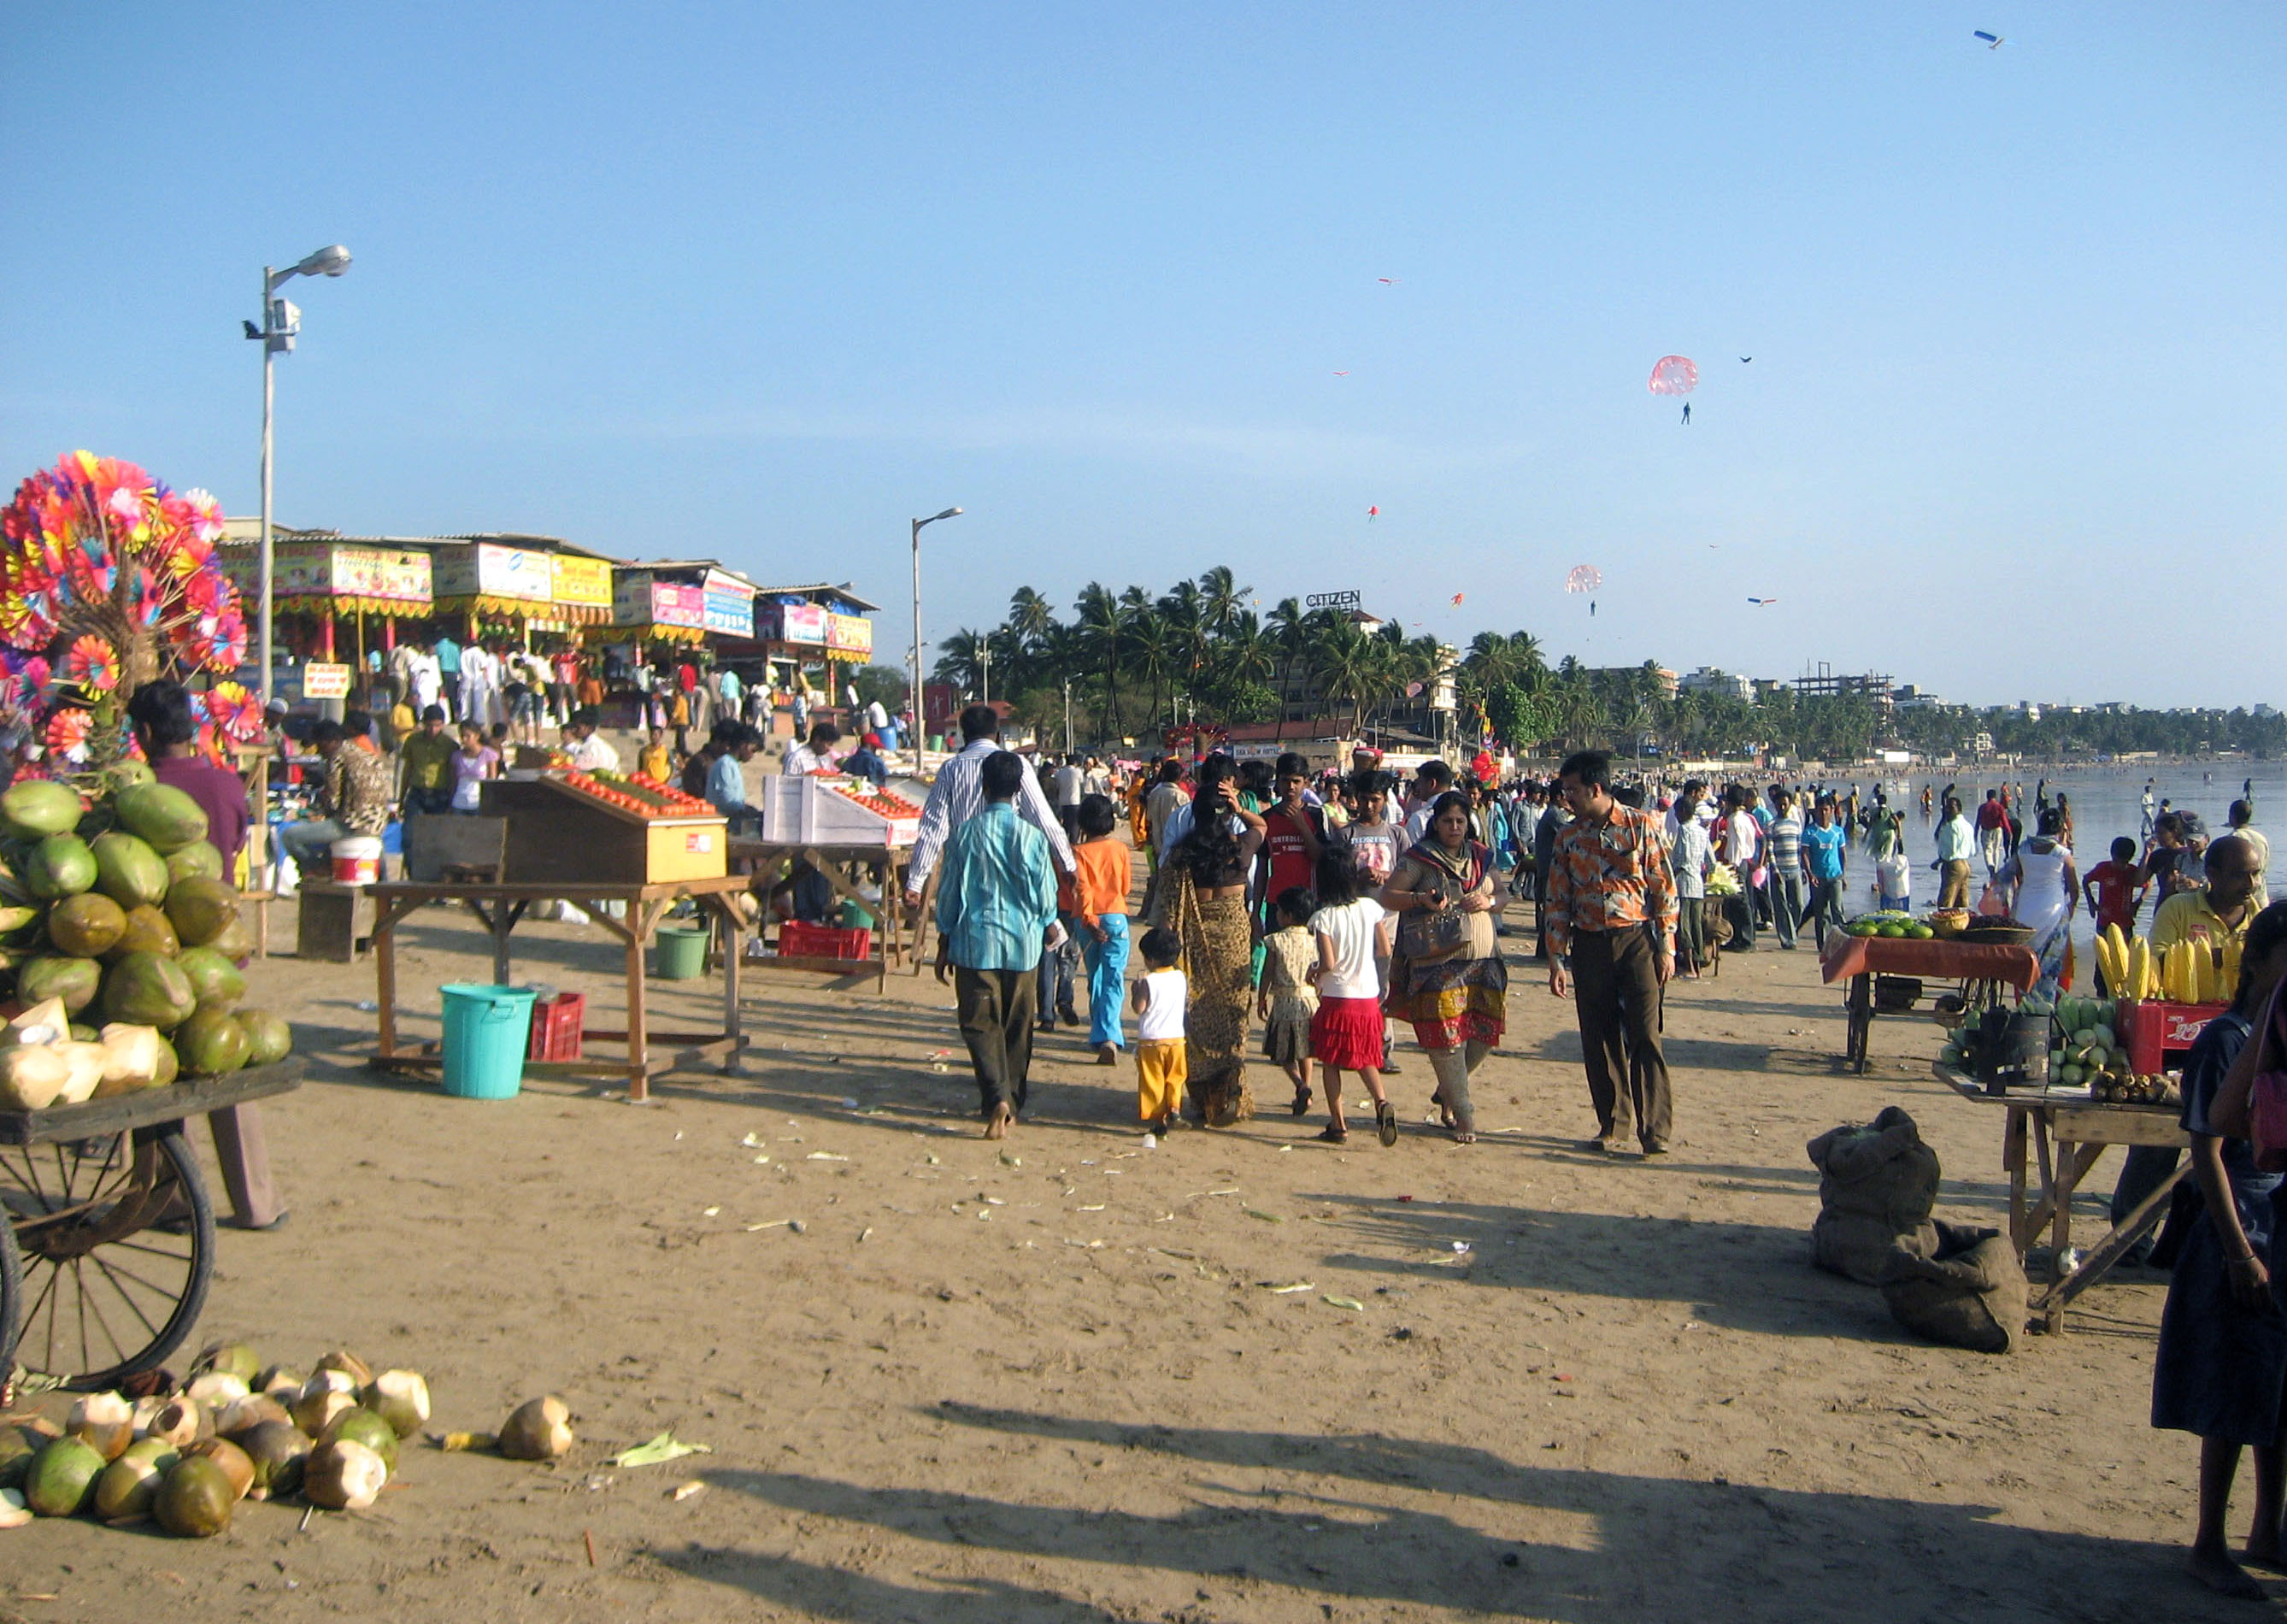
(235, 710)
(93, 664)
(67, 731)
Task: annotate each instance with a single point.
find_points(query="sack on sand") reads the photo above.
(1970, 1294)
(1876, 1186)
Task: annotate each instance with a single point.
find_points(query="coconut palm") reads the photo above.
(1150, 651)
(1097, 623)
(1223, 597)
(1030, 614)
(961, 660)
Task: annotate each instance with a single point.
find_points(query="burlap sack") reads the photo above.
(1969, 1294)
(1876, 1186)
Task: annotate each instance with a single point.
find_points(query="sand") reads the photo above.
(1054, 1378)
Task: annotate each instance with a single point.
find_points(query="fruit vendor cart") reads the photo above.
(2067, 1132)
(625, 850)
(840, 826)
(1985, 972)
(110, 1238)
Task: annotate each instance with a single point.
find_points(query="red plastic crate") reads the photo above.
(2152, 1030)
(797, 940)
(556, 1026)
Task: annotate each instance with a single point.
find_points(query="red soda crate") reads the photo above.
(556, 1026)
(2152, 1030)
(797, 940)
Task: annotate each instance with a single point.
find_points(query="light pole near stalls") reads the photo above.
(920, 728)
(280, 323)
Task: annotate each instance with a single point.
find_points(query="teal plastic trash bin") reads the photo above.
(679, 955)
(485, 1031)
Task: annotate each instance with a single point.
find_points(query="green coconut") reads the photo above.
(211, 1043)
(103, 1422)
(232, 1459)
(60, 866)
(147, 932)
(86, 926)
(401, 1399)
(127, 870)
(278, 1450)
(198, 861)
(195, 1498)
(37, 808)
(215, 981)
(16, 1447)
(199, 910)
(269, 1039)
(360, 1425)
(128, 773)
(73, 980)
(234, 941)
(343, 1475)
(229, 1358)
(170, 1066)
(163, 815)
(61, 1479)
(130, 1485)
(148, 991)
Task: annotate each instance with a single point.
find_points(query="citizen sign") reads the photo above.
(1331, 600)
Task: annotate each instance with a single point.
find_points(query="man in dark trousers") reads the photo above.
(160, 712)
(1611, 919)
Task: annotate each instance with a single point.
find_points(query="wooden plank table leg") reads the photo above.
(385, 976)
(2013, 1161)
(732, 926)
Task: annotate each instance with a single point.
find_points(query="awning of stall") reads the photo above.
(319, 573)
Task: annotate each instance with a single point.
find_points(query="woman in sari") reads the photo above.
(1447, 977)
(2043, 887)
(1202, 898)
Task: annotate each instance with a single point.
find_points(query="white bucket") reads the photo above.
(356, 859)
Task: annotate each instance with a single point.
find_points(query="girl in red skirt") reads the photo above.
(1346, 1033)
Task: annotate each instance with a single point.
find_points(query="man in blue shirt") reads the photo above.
(726, 780)
(1825, 846)
(996, 897)
(449, 668)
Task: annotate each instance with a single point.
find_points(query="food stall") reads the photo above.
(1984, 970)
(324, 589)
(598, 842)
(838, 826)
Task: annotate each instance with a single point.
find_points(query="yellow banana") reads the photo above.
(2230, 984)
(2140, 969)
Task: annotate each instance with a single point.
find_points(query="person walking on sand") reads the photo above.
(995, 903)
(1346, 1029)
(1613, 914)
(1161, 1062)
(1288, 997)
(1095, 901)
(957, 795)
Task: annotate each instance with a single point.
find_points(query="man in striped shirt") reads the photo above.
(1782, 858)
(1611, 924)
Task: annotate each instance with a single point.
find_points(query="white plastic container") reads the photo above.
(356, 859)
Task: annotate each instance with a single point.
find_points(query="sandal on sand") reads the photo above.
(1385, 1117)
(1334, 1135)
(1301, 1101)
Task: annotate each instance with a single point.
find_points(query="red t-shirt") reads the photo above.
(2115, 890)
(1993, 815)
(1290, 859)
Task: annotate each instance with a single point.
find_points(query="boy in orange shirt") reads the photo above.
(1094, 902)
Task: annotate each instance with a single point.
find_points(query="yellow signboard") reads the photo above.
(580, 580)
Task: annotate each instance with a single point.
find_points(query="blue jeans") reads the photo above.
(1056, 973)
(1107, 978)
(1786, 903)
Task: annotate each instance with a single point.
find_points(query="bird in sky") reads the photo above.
(1992, 41)
(1387, 282)
(1743, 359)
(1342, 374)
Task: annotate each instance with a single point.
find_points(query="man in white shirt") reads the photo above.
(1955, 841)
(957, 795)
(1068, 794)
(1094, 779)
(589, 751)
(815, 757)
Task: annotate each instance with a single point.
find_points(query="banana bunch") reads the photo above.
(2184, 973)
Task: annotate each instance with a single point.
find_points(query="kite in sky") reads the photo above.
(1765, 602)
(1387, 282)
(1341, 375)
(1584, 578)
(1458, 596)
(1675, 374)
(1992, 41)
(1743, 359)
(1371, 514)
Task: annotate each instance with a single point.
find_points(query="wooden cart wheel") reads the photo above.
(105, 1292)
(12, 1297)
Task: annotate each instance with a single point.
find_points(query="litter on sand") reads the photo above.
(665, 1447)
(1268, 1218)
(751, 1141)
(793, 1223)
(685, 1491)
(1289, 1289)
(824, 1156)
(1351, 1303)
(711, 1212)
(1099, 1207)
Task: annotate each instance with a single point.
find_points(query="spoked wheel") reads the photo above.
(12, 1297)
(105, 1292)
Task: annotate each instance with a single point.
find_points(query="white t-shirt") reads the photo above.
(1350, 927)
(1067, 785)
(1163, 1011)
(1746, 844)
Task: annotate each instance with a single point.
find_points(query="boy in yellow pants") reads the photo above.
(1159, 1000)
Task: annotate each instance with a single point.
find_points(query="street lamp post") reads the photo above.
(281, 323)
(920, 725)
(1068, 738)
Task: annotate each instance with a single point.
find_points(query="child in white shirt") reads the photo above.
(1159, 1000)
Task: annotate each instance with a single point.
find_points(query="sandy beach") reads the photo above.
(1055, 1378)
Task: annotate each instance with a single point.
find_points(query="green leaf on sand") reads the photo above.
(665, 1447)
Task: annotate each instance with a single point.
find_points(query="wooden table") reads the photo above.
(761, 858)
(2068, 1135)
(499, 907)
(1984, 969)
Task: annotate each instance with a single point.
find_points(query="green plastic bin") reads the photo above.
(485, 1031)
(679, 955)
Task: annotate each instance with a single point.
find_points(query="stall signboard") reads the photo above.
(729, 609)
(487, 569)
(850, 634)
(586, 581)
(639, 600)
(325, 681)
(791, 623)
(322, 569)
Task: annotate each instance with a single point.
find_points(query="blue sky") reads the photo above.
(763, 283)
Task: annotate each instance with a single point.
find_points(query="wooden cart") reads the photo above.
(1985, 972)
(2067, 1135)
(110, 1238)
(763, 859)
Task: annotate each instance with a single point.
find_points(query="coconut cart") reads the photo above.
(110, 1238)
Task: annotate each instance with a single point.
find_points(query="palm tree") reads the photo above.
(1097, 623)
(1289, 633)
(1343, 664)
(961, 660)
(1151, 653)
(1184, 609)
(1222, 595)
(1030, 614)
